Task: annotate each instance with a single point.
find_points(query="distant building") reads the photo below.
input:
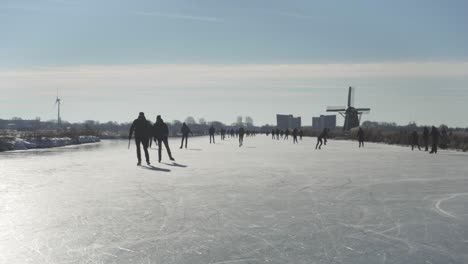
(288, 122)
(324, 121)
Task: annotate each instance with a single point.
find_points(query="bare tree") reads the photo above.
(202, 121)
(249, 121)
(190, 120)
(239, 121)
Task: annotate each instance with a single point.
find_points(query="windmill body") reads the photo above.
(351, 114)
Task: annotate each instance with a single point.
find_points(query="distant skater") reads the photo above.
(185, 130)
(426, 138)
(277, 134)
(223, 133)
(301, 134)
(273, 134)
(241, 136)
(323, 136)
(360, 135)
(435, 139)
(286, 134)
(294, 134)
(161, 134)
(415, 140)
(142, 136)
(212, 131)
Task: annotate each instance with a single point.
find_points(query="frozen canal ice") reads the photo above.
(268, 202)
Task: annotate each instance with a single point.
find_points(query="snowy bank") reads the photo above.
(44, 142)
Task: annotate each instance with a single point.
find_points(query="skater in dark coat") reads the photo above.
(426, 138)
(277, 134)
(323, 136)
(360, 135)
(241, 136)
(142, 131)
(286, 134)
(301, 134)
(273, 134)
(295, 133)
(435, 139)
(161, 134)
(212, 131)
(185, 130)
(415, 140)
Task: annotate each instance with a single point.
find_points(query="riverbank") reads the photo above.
(12, 143)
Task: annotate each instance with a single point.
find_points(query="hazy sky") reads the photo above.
(219, 59)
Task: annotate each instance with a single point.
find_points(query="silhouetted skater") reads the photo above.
(426, 138)
(301, 134)
(415, 140)
(321, 137)
(212, 131)
(223, 133)
(295, 133)
(360, 135)
(286, 133)
(273, 134)
(277, 134)
(161, 134)
(185, 130)
(142, 136)
(241, 136)
(435, 139)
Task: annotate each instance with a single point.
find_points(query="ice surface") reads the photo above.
(268, 202)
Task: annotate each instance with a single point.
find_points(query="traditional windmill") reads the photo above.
(351, 114)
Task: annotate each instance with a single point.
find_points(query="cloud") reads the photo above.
(178, 16)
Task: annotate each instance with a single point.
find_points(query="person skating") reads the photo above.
(435, 135)
(212, 131)
(272, 134)
(223, 133)
(142, 131)
(241, 136)
(185, 130)
(426, 138)
(360, 135)
(415, 140)
(322, 136)
(294, 134)
(301, 134)
(277, 134)
(161, 134)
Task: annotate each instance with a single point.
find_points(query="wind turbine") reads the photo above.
(57, 103)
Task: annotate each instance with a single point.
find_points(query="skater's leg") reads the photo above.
(138, 150)
(159, 149)
(166, 144)
(145, 148)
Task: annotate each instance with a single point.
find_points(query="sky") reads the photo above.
(218, 59)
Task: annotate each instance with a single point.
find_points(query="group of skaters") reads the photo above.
(145, 133)
(434, 135)
(284, 134)
(239, 133)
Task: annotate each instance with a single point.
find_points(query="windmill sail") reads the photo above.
(336, 109)
(351, 97)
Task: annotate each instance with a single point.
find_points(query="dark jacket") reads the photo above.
(160, 130)
(185, 130)
(141, 127)
(211, 130)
